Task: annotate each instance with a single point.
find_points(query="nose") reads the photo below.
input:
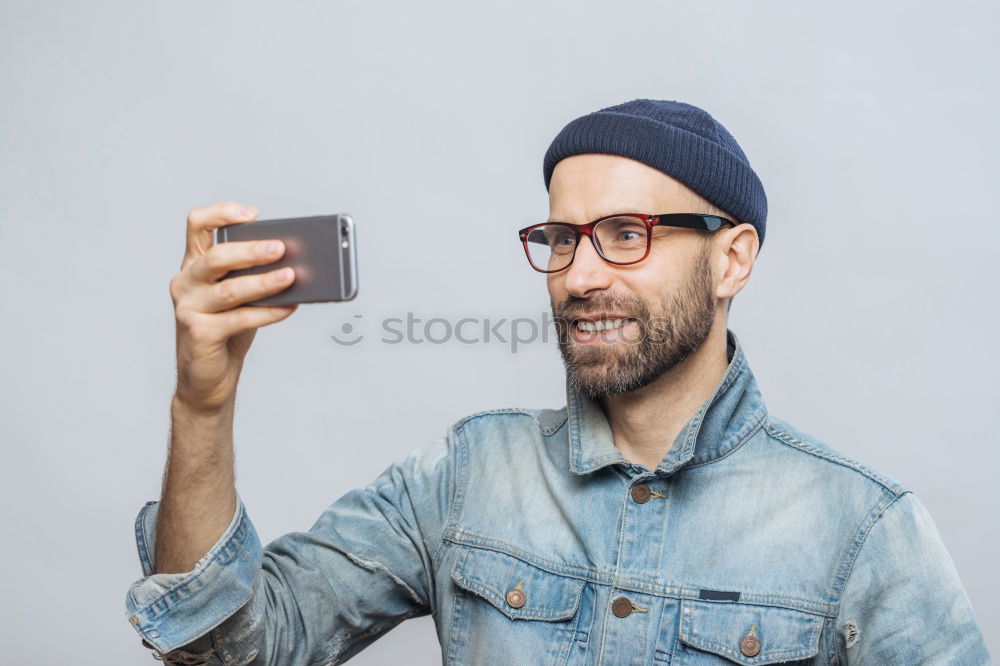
(588, 272)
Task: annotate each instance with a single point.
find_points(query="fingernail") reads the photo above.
(273, 247)
(283, 274)
(247, 211)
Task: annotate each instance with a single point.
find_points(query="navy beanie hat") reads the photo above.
(680, 140)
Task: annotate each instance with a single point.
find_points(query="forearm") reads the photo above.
(198, 499)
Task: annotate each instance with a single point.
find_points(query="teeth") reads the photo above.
(603, 325)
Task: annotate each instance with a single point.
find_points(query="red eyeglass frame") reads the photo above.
(696, 221)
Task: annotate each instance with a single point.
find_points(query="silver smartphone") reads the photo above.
(320, 249)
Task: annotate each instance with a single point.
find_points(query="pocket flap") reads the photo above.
(782, 634)
(542, 595)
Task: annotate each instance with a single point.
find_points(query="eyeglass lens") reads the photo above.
(618, 239)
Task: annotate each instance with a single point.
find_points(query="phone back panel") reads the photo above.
(320, 249)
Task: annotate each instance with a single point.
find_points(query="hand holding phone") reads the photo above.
(218, 280)
(214, 329)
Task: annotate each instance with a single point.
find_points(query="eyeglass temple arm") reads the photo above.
(692, 221)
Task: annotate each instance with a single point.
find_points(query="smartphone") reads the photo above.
(320, 249)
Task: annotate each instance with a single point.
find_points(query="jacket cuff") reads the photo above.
(170, 610)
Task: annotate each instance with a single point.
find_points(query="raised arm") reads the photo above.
(210, 593)
(213, 334)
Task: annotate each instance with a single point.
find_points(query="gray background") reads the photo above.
(869, 319)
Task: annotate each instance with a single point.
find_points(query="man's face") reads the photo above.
(667, 301)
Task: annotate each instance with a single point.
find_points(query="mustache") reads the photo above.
(574, 306)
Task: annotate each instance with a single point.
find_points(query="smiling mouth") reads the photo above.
(588, 326)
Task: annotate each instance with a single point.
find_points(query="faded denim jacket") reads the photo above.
(532, 541)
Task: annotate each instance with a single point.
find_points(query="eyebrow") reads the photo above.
(621, 211)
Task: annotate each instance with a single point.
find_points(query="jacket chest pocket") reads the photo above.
(511, 612)
(742, 633)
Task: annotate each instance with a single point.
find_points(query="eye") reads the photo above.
(562, 238)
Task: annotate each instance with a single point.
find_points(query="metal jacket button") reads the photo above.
(515, 596)
(621, 607)
(641, 493)
(750, 645)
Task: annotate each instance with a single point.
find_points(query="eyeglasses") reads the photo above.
(620, 239)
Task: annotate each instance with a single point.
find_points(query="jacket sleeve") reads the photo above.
(311, 597)
(903, 602)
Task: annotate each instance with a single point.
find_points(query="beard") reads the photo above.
(669, 331)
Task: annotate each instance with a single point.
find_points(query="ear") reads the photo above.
(733, 254)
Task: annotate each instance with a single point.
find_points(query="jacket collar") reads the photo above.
(733, 412)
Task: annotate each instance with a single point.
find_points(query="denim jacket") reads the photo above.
(533, 541)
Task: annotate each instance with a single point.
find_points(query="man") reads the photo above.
(663, 516)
